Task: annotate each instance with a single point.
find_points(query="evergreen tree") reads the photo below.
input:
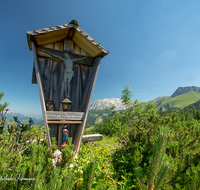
(126, 95)
(3, 112)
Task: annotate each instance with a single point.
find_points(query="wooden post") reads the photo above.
(86, 101)
(60, 136)
(95, 137)
(41, 92)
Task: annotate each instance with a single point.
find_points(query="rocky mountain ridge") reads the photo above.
(160, 98)
(182, 90)
(107, 103)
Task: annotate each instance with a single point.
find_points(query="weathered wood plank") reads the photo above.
(83, 52)
(94, 137)
(59, 45)
(71, 33)
(56, 84)
(40, 92)
(68, 45)
(76, 88)
(62, 93)
(85, 138)
(51, 62)
(49, 46)
(84, 76)
(76, 49)
(85, 44)
(89, 91)
(51, 37)
(34, 80)
(45, 69)
(60, 115)
(65, 122)
(57, 76)
(76, 136)
(53, 130)
(79, 89)
(60, 135)
(74, 131)
(90, 82)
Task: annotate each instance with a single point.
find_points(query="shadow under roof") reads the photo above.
(46, 36)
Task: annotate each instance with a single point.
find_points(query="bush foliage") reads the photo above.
(138, 130)
(142, 149)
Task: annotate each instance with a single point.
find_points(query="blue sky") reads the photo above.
(154, 45)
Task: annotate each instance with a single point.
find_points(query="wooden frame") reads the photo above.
(48, 73)
(41, 93)
(86, 100)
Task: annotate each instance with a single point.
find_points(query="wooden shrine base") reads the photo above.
(64, 122)
(64, 115)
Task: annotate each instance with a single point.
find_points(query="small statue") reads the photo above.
(69, 73)
(57, 157)
(50, 106)
(65, 137)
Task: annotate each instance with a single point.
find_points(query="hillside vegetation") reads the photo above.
(162, 103)
(142, 149)
(180, 101)
(194, 105)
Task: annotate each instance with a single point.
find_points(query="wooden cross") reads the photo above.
(87, 61)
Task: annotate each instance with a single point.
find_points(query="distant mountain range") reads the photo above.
(182, 90)
(107, 103)
(182, 97)
(178, 102)
(22, 118)
(160, 98)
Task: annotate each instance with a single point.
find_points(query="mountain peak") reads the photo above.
(107, 103)
(182, 90)
(11, 111)
(160, 98)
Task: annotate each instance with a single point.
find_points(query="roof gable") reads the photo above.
(70, 31)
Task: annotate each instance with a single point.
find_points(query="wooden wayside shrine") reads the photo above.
(66, 63)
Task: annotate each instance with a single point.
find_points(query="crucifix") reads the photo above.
(68, 73)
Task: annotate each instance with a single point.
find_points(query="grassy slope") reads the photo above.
(194, 105)
(182, 100)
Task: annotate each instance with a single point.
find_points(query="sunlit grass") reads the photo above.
(108, 144)
(182, 100)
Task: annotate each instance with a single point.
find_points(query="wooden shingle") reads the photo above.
(53, 34)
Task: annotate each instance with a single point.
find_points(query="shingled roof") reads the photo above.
(72, 31)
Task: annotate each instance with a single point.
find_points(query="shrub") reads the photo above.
(134, 153)
(3, 112)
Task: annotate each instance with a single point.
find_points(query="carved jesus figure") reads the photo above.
(69, 73)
